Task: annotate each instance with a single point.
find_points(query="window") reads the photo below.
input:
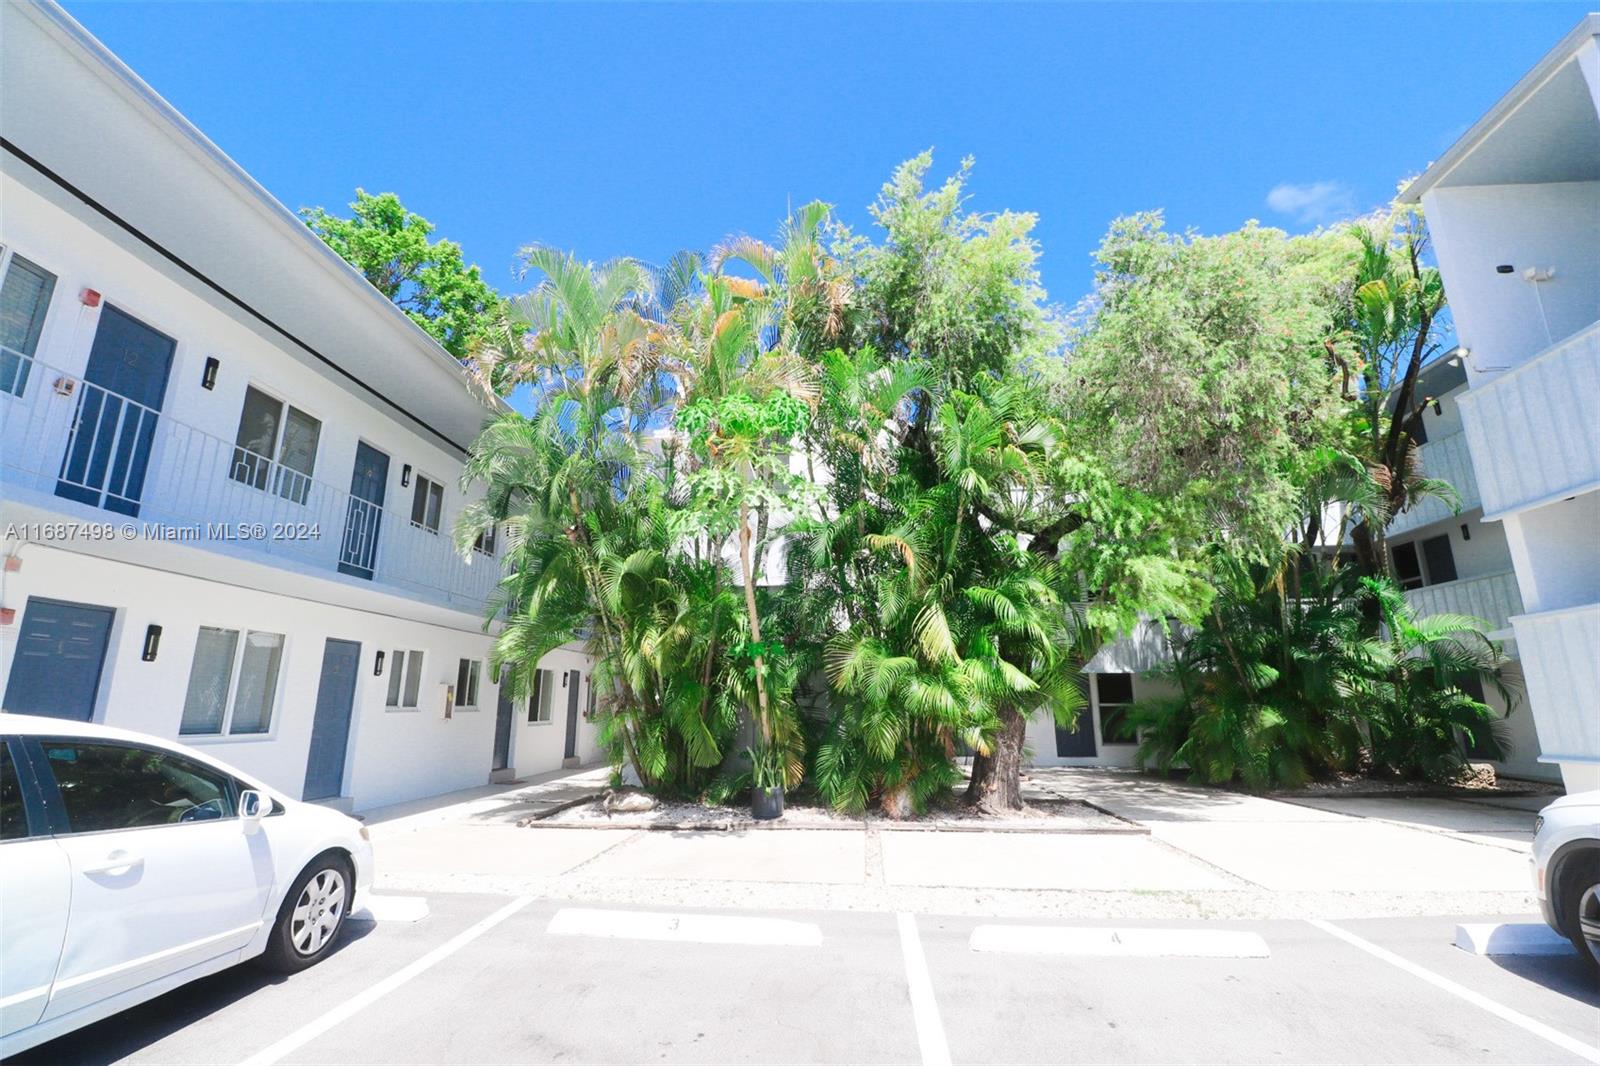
(467, 674)
(427, 500)
(1407, 566)
(485, 542)
(405, 678)
(13, 813)
(113, 786)
(232, 683)
(268, 428)
(1439, 560)
(1115, 692)
(544, 684)
(1418, 428)
(24, 300)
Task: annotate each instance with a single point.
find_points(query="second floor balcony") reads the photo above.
(1532, 429)
(1449, 459)
(1494, 598)
(70, 445)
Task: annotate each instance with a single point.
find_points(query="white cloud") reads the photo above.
(1315, 203)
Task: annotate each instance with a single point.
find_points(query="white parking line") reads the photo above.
(691, 928)
(1587, 1052)
(309, 1032)
(1127, 943)
(924, 1008)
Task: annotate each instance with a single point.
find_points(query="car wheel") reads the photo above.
(1580, 897)
(312, 914)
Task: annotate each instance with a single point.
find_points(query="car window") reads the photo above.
(112, 786)
(13, 815)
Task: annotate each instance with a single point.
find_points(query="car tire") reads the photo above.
(1580, 907)
(312, 914)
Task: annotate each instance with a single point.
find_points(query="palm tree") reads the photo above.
(971, 633)
(1417, 712)
(745, 400)
(1389, 334)
(565, 481)
(1266, 683)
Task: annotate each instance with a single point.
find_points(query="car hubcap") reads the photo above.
(1589, 920)
(317, 912)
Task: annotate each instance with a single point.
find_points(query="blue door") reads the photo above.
(61, 652)
(503, 714)
(1079, 742)
(571, 750)
(119, 402)
(358, 555)
(330, 724)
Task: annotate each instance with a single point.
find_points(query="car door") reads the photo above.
(34, 888)
(164, 876)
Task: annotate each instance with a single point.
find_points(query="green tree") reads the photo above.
(1388, 330)
(744, 401)
(1199, 373)
(1415, 708)
(429, 280)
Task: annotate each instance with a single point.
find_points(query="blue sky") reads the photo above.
(638, 130)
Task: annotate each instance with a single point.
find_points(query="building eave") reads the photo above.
(1525, 89)
(394, 330)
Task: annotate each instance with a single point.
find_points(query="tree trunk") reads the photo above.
(765, 724)
(997, 778)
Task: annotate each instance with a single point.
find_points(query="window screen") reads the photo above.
(24, 301)
(210, 678)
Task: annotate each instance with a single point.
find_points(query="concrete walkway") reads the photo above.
(1209, 853)
(504, 804)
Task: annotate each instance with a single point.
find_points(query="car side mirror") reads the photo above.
(252, 808)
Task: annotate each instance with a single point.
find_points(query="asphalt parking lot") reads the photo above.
(494, 978)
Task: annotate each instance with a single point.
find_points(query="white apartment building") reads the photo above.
(229, 467)
(1451, 561)
(1514, 209)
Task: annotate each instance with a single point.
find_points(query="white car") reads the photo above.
(130, 865)
(1566, 870)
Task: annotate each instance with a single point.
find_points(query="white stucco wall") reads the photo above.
(85, 252)
(1041, 736)
(392, 755)
(1557, 552)
(1497, 316)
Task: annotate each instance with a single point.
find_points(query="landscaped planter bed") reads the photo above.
(1041, 816)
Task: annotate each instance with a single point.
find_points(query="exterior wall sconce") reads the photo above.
(405, 475)
(449, 693)
(8, 615)
(89, 298)
(152, 643)
(208, 379)
(377, 665)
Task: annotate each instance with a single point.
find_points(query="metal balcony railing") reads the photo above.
(66, 438)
